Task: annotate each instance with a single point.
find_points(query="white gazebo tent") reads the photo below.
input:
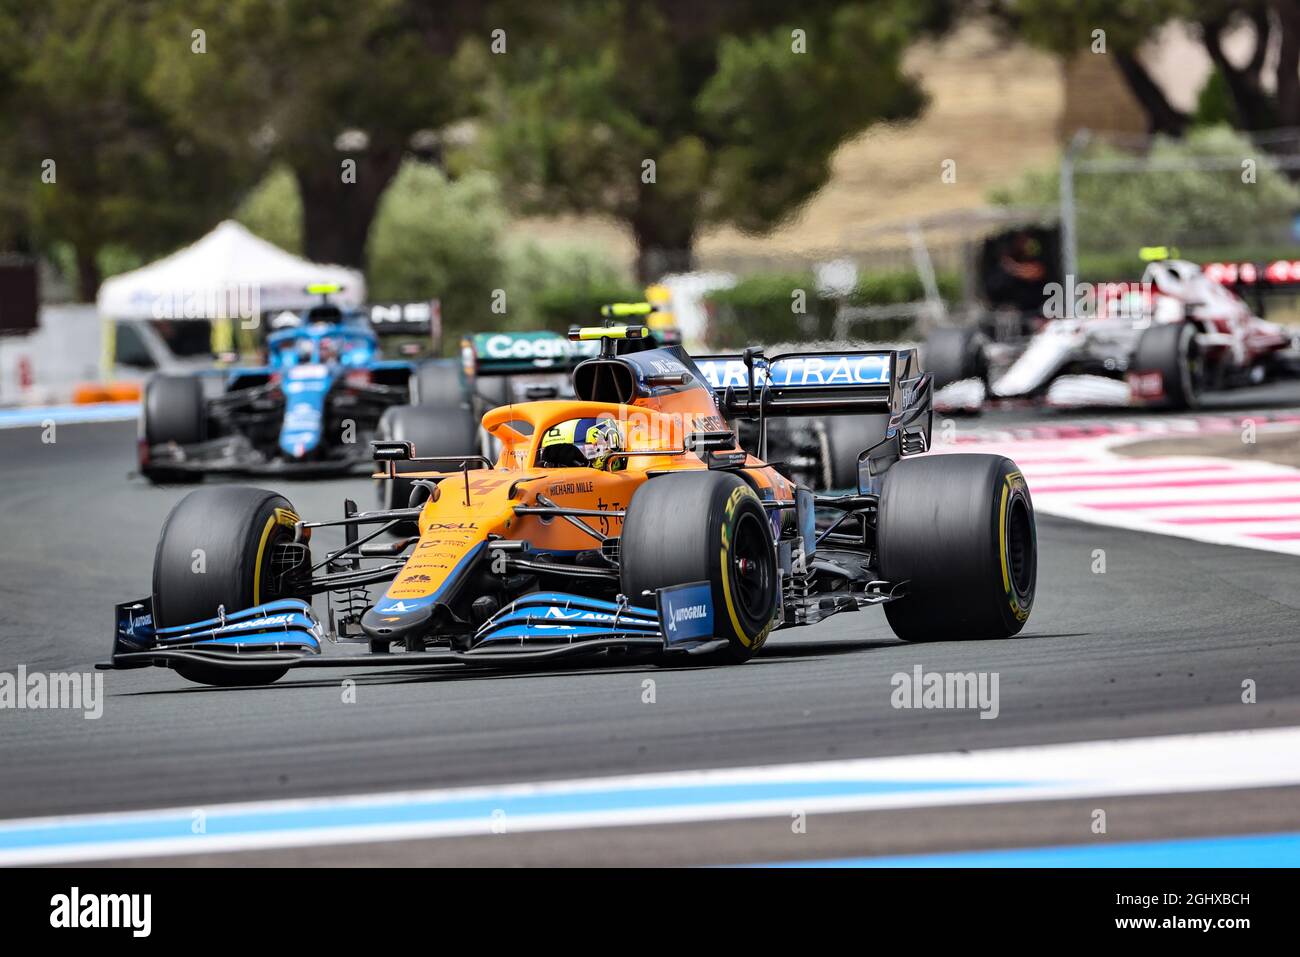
(228, 274)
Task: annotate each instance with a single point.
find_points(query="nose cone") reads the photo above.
(305, 393)
(394, 620)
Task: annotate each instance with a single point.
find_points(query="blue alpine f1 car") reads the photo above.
(313, 407)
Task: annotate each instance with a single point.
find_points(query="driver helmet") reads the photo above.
(583, 443)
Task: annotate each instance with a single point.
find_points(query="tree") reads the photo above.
(88, 158)
(669, 116)
(1193, 209)
(333, 89)
(1264, 90)
(1255, 107)
(434, 238)
(1069, 27)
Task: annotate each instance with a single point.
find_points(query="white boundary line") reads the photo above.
(37, 416)
(1178, 763)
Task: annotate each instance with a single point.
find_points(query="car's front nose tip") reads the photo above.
(395, 624)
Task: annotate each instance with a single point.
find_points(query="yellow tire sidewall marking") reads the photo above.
(739, 493)
(281, 516)
(1011, 482)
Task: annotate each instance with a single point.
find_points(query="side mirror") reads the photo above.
(392, 451)
(701, 442)
(422, 490)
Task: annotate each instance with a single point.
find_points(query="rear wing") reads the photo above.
(419, 323)
(843, 382)
(1282, 275)
(888, 382)
(1257, 283)
(513, 353)
(406, 318)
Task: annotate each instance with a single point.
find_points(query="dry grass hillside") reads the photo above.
(995, 111)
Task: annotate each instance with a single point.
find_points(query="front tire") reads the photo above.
(173, 410)
(218, 547)
(705, 527)
(1171, 351)
(959, 531)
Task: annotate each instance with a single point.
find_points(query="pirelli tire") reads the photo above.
(173, 410)
(440, 383)
(954, 353)
(844, 438)
(492, 392)
(1171, 351)
(703, 526)
(957, 533)
(220, 547)
(433, 431)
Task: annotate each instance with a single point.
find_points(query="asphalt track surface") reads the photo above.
(1159, 644)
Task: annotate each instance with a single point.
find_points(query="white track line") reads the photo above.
(1238, 502)
(37, 416)
(1159, 765)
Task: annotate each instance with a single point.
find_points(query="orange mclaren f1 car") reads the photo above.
(627, 522)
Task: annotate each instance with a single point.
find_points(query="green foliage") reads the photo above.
(159, 131)
(776, 117)
(1214, 102)
(273, 210)
(555, 286)
(1184, 208)
(432, 238)
(310, 68)
(445, 239)
(557, 307)
(1101, 266)
(315, 83)
(73, 90)
(885, 288)
(739, 124)
(1068, 26)
(762, 308)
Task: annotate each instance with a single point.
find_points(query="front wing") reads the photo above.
(536, 627)
(235, 454)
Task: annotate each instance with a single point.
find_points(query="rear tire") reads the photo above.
(847, 437)
(173, 410)
(493, 392)
(432, 431)
(441, 383)
(233, 530)
(1170, 349)
(954, 353)
(705, 527)
(959, 530)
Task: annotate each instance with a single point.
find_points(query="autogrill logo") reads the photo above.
(690, 613)
(78, 910)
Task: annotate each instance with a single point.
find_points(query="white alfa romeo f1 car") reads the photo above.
(1162, 341)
